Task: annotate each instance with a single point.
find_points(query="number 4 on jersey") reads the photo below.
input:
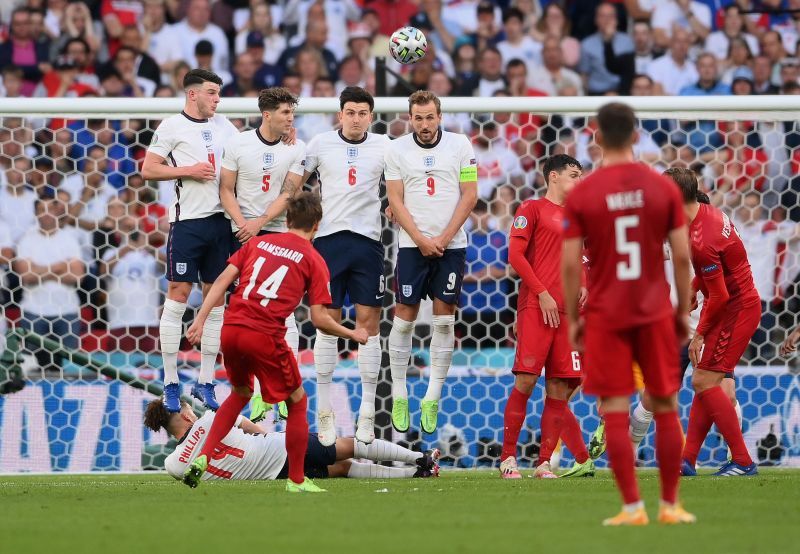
(268, 289)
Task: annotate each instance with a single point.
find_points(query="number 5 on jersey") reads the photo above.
(632, 269)
(268, 290)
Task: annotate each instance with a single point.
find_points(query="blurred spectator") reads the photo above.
(11, 79)
(336, 13)
(144, 65)
(54, 13)
(607, 56)
(439, 30)
(487, 30)
(643, 46)
(142, 202)
(490, 75)
(244, 72)
(742, 82)
(466, 66)
(351, 73)
(260, 26)
(497, 164)
(392, 14)
(77, 22)
(484, 294)
(552, 77)
(532, 10)
(504, 203)
(740, 164)
(309, 66)
(442, 86)
(310, 125)
(124, 62)
(116, 14)
(517, 78)
(762, 76)
(702, 135)
(554, 23)
(718, 42)
(163, 43)
(21, 50)
(49, 266)
(197, 27)
(673, 71)
(204, 59)
(78, 50)
(789, 71)
(689, 15)
(17, 197)
(316, 36)
(132, 272)
(7, 253)
(178, 73)
(266, 75)
(772, 48)
(292, 82)
(739, 58)
(517, 45)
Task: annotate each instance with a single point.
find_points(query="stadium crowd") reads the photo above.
(71, 197)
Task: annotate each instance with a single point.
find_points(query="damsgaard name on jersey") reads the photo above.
(280, 251)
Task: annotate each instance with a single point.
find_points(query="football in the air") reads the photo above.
(408, 45)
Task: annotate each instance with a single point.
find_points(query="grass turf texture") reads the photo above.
(471, 511)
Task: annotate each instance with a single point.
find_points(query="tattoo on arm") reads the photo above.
(289, 186)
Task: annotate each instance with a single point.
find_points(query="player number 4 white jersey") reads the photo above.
(431, 176)
(349, 174)
(184, 141)
(239, 455)
(261, 167)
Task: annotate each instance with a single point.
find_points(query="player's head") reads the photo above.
(686, 179)
(202, 90)
(276, 105)
(425, 110)
(156, 417)
(617, 126)
(304, 212)
(562, 173)
(356, 112)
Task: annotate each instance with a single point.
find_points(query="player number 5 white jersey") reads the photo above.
(261, 167)
(184, 141)
(431, 176)
(239, 456)
(349, 174)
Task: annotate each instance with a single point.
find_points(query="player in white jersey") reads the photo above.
(186, 148)
(431, 181)
(349, 164)
(260, 172)
(248, 452)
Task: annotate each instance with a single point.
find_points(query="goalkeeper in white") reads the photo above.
(249, 453)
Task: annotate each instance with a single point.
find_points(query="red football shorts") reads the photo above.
(610, 354)
(269, 359)
(726, 341)
(540, 346)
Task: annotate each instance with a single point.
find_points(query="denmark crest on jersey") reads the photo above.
(352, 152)
(207, 136)
(521, 222)
(429, 161)
(269, 159)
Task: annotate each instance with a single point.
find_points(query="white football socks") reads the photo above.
(369, 367)
(442, 343)
(292, 335)
(326, 352)
(640, 423)
(384, 451)
(376, 471)
(170, 330)
(209, 344)
(399, 355)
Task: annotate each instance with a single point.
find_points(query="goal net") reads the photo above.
(89, 371)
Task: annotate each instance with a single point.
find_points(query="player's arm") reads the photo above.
(323, 321)
(251, 428)
(227, 196)
(571, 268)
(519, 261)
(469, 197)
(214, 298)
(292, 184)
(155, 168)
(790, 344)
(396, 192)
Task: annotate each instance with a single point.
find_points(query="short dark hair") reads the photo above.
(558, 163)
(686, 179)
(72, 41)
(12, 70)
(303, 211)
(516, 62)
(156, 416)
(423, 97)
(270, 99)
(511, 13)
(199, 76)
(617, 123)
(357, 95)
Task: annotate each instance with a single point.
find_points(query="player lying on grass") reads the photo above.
(247, 452)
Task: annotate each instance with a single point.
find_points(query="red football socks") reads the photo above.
(516, 409)
(669, 439)
(224, 421)
(699, 425)
(620, 455)
(723, 414)
(572, 436)
(552, 423)
(297, 439)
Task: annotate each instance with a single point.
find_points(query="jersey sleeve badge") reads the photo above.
(520, 222)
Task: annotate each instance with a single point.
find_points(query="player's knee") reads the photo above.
(557, 388)
(662, 404)
(443, 324)
(296, 396)
(340, 469)
(704, 380)
(402, 326)
(179, 292)
(243, 392)
(524, 383)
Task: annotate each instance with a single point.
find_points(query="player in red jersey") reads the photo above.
(624, 211)
(274, 273)
(731, 314)
(542, 339)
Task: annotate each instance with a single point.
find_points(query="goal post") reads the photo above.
(67, 419)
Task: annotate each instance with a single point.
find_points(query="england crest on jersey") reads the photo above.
(207, 136)
(269, 159)
(429, 161)
(352, 152)
(407, 290)
(180, 268)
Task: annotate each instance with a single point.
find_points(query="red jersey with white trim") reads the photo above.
(540, 224)
(275, 271)
(625, 213)
(718, 250)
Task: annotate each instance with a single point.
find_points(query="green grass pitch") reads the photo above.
(463, 511)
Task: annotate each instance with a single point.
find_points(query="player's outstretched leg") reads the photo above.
(640, 424)
(170, 332)
(209, 348)
(369, 367)
(326, 353)
(513, 418)
(194, 473)
(258, 407)
(597, 442)
(427, 463)
(399, 355)
(297, 444)
(572, 436)
(442, 343)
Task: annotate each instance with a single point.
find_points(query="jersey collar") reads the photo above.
(433, 144)
(265, 141)
(193, 119)
(348, 141)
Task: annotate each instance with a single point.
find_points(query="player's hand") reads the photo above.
(583, 297)
(576, 335)
(696, 349)
(290, 138)
(429, 248)
(390, 214)
(250, 229)
(360, 335)
(202, 171)
(549, 309)
(195, 332)
(441, 242)
(790, 344)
